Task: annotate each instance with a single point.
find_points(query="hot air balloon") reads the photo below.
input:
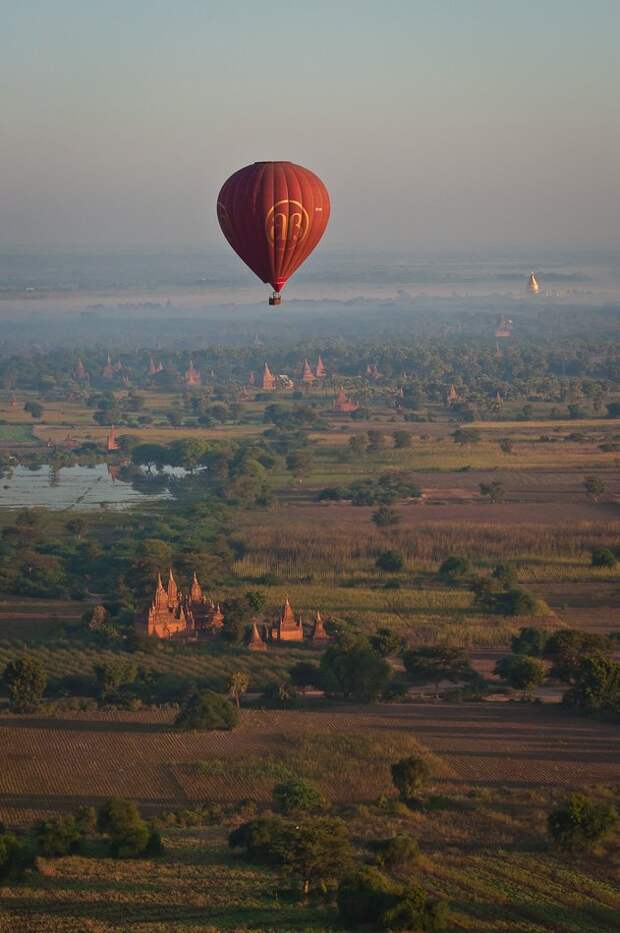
(532, 285)
(273, 214)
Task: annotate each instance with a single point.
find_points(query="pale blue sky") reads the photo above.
(435, 124)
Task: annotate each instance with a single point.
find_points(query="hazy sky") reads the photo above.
(434, 124)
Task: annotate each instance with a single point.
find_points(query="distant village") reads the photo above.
(192, 616)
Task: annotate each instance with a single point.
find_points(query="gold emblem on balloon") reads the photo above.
(286, 228)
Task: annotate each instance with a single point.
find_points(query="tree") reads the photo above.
(299, 462)
(386, 642)
(505, 445)
(129, 835)
(238, 684)
(596, 686)
(465, 436)
(603, 557)
(17, 856)
(531, 641)
(357, 444)
(493, 491)
(207, 711)
(297, 796)
(305, 674)
(376, 441)
(434, 663)
(34, 409)
(579, 822)
(368, 897)
(409, 776)
(521, 672)
(454, 568)
(400, 852)
(314, 851)
(390, 561)
(402, 439)
(505, 574)
(112, 676)
(352, 669)
(385, 517)
(25, 679)
(56, 836)
(566, 649)
(515, 602)
(594, 487)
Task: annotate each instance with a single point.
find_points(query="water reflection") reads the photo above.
(92, 486)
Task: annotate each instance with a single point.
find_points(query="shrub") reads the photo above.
(129, 835)
(454, 568)
(56, 836)
(409, 776)
(16, 856)
(399, 852)
(262, 839)
(207, 711)
(25, 679)
(603, 557)
(366, 896)
(297, 796)
(531, 641)
(390, 561)
(580, 822)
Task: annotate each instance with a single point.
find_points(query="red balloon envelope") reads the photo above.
(273, 214)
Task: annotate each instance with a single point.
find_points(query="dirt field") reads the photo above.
(59, 763)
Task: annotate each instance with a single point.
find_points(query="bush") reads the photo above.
(129, 835)
(56, 836)
(603, 557)
(16, 856)
(580, 822)
(390, 561)
(207, 711)
(398, 853)
(25, 679)
(454, 568)
(531, 641)
(366, 896)
(297, 796)
(409, 776)
(262, 839)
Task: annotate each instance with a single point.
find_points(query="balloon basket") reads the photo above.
(275, 299)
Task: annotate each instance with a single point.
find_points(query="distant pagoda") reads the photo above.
(112, 440)
(192, 376)
(344, 405)
(320, 371)
(307, 376)
(532, 284)
(268, 382)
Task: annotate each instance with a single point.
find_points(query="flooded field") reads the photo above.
(75, 487)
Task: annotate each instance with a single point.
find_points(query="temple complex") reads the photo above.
(343, 404)
(171, 614)
(192, 376)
